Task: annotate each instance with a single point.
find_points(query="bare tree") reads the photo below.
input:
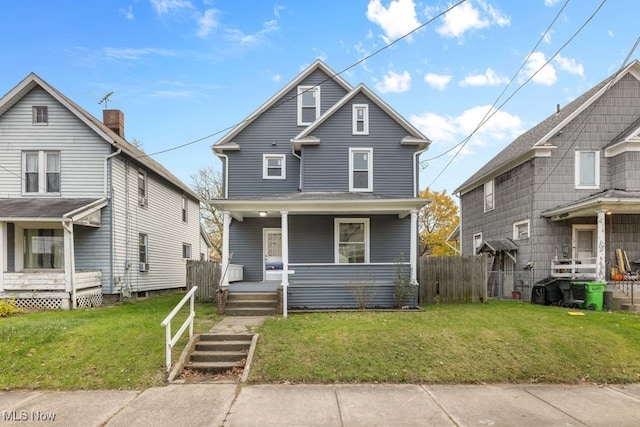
(207, 182)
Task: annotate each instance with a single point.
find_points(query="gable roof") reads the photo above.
(32, 81)
(226, 141)
(415, 137)
(525, 146)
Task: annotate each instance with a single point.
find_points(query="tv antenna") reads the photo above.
(105, 99)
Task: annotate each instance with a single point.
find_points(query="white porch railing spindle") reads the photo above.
(172, 340)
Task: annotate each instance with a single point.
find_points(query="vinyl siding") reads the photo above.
(271, 133)
(82, 152)
(625, 171)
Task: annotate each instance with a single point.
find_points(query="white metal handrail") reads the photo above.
(171, 341)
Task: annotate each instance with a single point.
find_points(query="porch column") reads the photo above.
(413, 249)
(69, 263)
(601, 248)
(285, 259)
(224, 264)
(3, 253)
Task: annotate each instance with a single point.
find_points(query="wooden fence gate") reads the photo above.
(205, 275)
(452, 279)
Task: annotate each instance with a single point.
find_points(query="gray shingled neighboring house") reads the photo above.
(321, 193)
(563, 196)
(82, 212)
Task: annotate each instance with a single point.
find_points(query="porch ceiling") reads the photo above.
(609, 201)
(47, 209)
(319, 204)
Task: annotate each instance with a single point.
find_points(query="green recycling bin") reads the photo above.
(594, 295)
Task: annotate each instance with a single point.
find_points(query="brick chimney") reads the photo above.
(114, 120)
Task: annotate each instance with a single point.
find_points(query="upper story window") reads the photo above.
(41, 172)
(360, 169)
(477, 242)
(521, 230)
(352, 240)
(587, 168)
(274, 166)
(184, 209)
(40, 115)
(360, 119)
(308, 104)
(489, 200)
(143, 252)
(143, 197)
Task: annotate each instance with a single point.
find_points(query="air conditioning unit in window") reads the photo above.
(143, 266)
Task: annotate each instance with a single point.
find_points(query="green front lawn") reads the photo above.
(112, 347)
(493, 342)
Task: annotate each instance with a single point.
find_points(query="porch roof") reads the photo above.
(610, 201)
(48, 209)
(320, 203)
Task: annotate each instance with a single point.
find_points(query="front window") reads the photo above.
(142, 188)
(41, 172)
(360, 169)
(43, 249)
(361, 119)
(477, 242)
(274, 166)
(587, 167)
(352, 241)
(521, 230)
(40, 115)
(143, 251)
(489, 201)
(308, 104)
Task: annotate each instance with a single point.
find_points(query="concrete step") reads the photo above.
(226, 337)
(240, 345)
(634, 308)
(214, 367)
(244, 296)
(256, 303)
(254, 311)
(219, 356)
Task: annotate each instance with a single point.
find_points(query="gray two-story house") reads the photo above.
(83, 213)
(321, 186)
(565, 195)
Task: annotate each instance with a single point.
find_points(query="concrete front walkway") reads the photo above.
(341, 405)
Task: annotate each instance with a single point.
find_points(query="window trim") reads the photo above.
(265, 166)
(301, 90)
(41, 171)
(516, 236)
(186, 251)
(353, 151)
(478, 237)
(40, 112)
(365, 120)
(490, 183)
(596, 172)
(143, 200)
(367, 237)
(143, 264)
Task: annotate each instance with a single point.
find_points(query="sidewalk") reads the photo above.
(328, 405)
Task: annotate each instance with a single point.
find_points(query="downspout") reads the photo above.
(293, 151)
(106, 160)
(226, 171)
(69, 264)
(111, 227)
(416, 184)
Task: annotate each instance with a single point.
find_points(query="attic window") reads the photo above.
(360, 119)
(587, 169)
(40, 115)
(308, 104)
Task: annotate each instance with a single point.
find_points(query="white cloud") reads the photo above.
(489, 78)
(570, 65)
(447, 131)
(467, 17)
(437, 81)
(394, 82)
(277, 9)
(547, 36)
(236, 35)
(128, 12)
(542, 74)
(551, 2)
(166, 6)
(276, 77)
(135, 53)
(396, 20)
(610, 33)
(207, 22)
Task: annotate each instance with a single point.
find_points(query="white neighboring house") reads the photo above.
(82, 212)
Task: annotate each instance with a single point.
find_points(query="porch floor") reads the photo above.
(264, 286)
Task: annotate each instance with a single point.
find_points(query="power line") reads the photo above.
(355, 64)
(482, 123)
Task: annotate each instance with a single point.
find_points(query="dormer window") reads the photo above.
(308, 104)
(360, 119)
(40, 115)
(274, 166)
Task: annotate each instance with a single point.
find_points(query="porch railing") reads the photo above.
(574, 268)
(172, 340)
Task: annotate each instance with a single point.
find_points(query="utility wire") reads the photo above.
(360, 61)
(466, 140)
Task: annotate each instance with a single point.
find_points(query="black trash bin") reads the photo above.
(547, 292)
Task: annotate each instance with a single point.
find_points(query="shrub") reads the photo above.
(403, 288)
(363, 291)
(8, 308)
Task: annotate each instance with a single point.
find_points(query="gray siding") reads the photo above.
(625, 171)
(330, 297)
(271, 133)
(326, 166)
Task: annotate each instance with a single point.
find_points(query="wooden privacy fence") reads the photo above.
(205, 275)
(452, 279)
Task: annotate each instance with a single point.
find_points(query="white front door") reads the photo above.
(584, 243)
(272, 249)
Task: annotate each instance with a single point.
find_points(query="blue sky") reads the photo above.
(182, 70)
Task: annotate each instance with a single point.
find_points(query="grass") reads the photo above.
(493, 343)
(112, 347)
